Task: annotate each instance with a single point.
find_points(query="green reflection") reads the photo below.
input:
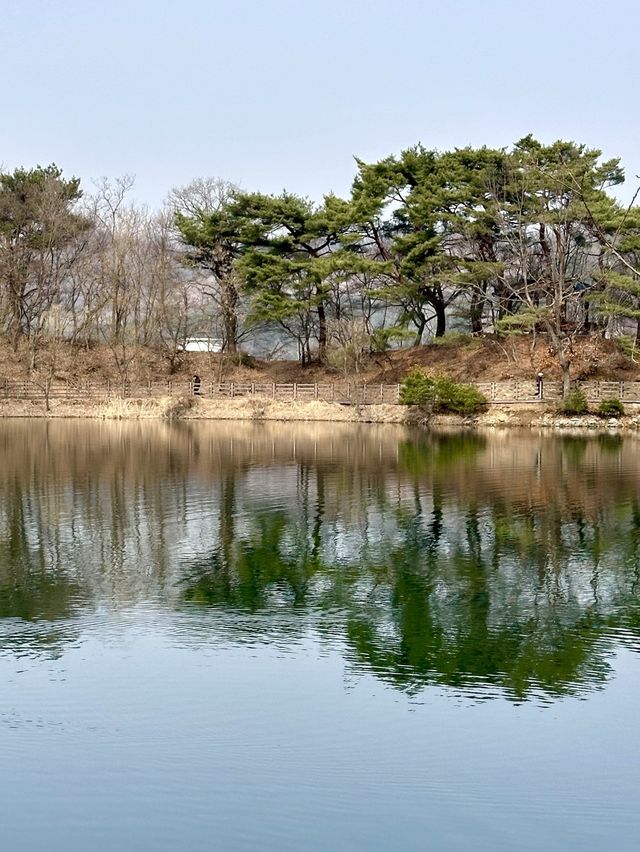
(31, 586)
(506, 563)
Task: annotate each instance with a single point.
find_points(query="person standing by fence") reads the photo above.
(196, 383)
(540, 385)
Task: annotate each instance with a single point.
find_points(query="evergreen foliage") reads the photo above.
(524, 240)
(441, 394)
(575, 402)
(611, 408)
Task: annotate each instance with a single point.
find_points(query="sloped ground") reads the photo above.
(490, 359)
(478, 359)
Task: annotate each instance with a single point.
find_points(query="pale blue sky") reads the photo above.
(277, 93)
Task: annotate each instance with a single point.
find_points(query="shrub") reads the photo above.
(345, 358)
(454, 338)
(611, 408)
(575, 402)
(383, 339)
(349, 344)
(417, 389)
(459, 398)
(441, 393)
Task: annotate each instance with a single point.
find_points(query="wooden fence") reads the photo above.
(506, 392)
(525, 391)
(344, 393)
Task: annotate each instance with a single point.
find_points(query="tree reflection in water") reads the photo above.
(505, 564)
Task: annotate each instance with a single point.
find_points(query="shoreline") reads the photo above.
(514, 415)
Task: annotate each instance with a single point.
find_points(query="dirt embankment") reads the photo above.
(260, 410)
(190, 408)
(461, 357)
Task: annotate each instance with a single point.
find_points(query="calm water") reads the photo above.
(270, 637)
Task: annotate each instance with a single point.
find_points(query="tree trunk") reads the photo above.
(441, 319)
(476, 311)
(420, 322)
(564, 359)
(565, 364)
(16, 337)
(322, 333)
(230, 316)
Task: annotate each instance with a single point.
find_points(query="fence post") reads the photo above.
(273, 390)
(333, 392)
(233, 389)
(295, 390)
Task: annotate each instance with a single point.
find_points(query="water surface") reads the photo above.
(310, 637)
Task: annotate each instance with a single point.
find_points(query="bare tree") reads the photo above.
(194, 207)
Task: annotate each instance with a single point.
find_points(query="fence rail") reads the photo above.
(525, 391)
(344, 393)
(506, 392)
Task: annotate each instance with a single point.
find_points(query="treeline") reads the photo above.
(524, 240)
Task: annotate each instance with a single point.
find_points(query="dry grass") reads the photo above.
(266, 409)
(482, 359)
(165, 408)
(248, 410)
(126, 409)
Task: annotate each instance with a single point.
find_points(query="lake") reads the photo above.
(236, 636)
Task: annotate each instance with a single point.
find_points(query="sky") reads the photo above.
(277, 94)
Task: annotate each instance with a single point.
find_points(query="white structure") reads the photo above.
(202, 344)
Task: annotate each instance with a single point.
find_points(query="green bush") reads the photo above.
(459, 398)
(417, 389)
(454, 338)
(575, 402)
(611, 408)
(441, 394)
(383, 339)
